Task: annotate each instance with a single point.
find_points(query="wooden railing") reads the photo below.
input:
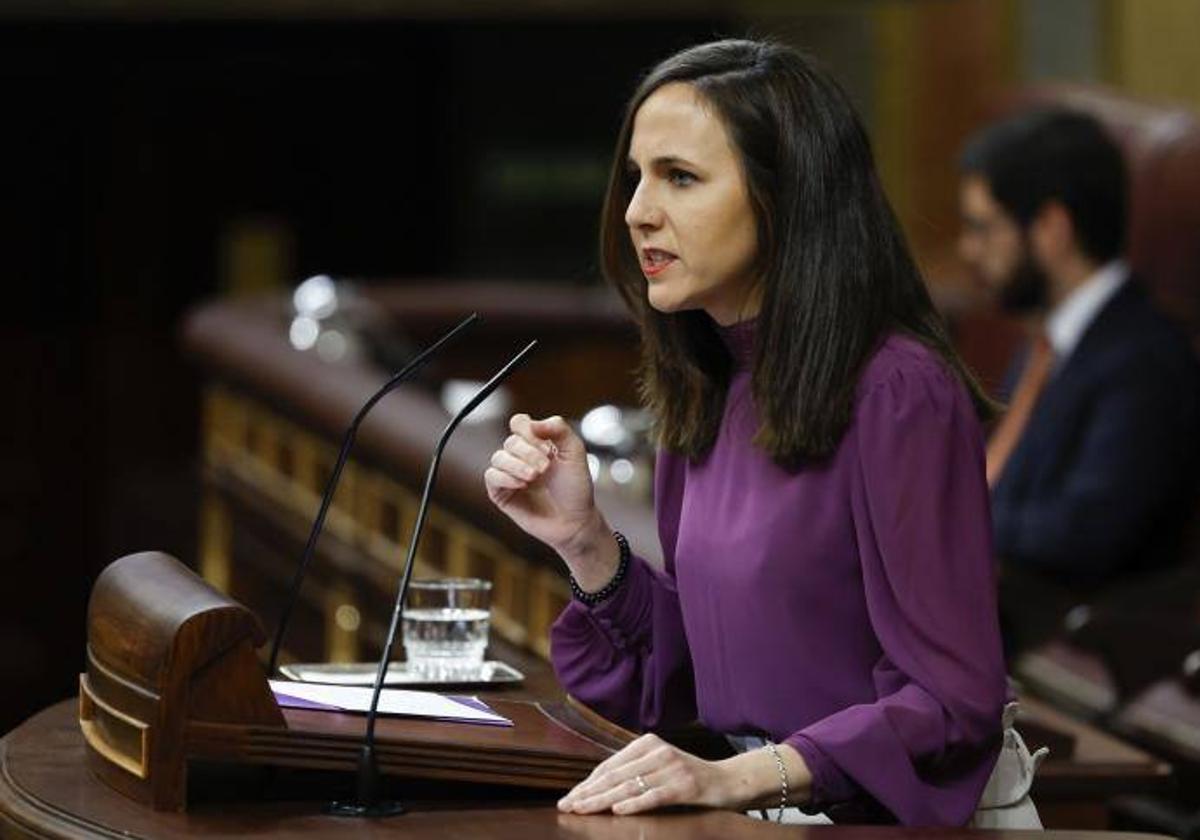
(272, 417)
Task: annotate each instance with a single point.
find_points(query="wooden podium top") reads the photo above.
(46, 790)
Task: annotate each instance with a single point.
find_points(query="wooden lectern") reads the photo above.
(172, 678)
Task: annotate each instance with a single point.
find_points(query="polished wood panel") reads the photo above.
(172, 680)
(1098, 765)
(46, 792)
(550, 746)
(165, 650)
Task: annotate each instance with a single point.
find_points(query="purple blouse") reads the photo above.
(846, 609)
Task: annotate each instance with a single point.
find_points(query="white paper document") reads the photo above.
(344, 674)
(392, 701)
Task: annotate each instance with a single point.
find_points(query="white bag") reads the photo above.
(1005, 802)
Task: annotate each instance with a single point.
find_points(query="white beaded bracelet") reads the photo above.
(783, 780)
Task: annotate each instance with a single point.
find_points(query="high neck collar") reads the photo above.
(739, 339)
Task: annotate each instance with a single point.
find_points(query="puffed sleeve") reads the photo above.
(927, 745)
(628, 657)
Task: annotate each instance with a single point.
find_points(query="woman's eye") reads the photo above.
(681, 177)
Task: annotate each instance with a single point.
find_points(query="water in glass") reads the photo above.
(446, 626)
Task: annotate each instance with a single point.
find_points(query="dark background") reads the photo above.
(129, 151)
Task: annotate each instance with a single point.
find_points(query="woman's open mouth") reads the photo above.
(655, 261)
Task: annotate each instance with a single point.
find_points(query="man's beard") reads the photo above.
(1027, 289)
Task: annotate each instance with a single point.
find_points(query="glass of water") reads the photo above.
(446, 627)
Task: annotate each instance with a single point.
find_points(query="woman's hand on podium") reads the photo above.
(650, 773)
(540, 479)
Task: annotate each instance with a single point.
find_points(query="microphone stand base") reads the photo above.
(382, 808)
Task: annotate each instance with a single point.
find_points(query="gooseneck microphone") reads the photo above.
(404, 375)
(367, 802)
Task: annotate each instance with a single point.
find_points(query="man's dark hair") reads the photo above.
(1055, 154)
(837, 275)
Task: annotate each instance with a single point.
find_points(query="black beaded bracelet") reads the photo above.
(605, 592)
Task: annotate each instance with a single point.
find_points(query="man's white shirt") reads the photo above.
(1067, 322)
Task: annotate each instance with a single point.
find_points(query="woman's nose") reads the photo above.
(642, 210)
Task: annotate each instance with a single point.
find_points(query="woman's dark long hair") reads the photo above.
(835, 269)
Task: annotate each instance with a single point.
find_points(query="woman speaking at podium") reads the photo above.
(820, 495)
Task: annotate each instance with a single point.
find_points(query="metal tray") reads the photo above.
(363, 673)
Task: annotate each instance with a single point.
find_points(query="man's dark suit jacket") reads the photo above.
(1102, 477)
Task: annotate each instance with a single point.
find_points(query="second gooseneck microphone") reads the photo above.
(367, 802)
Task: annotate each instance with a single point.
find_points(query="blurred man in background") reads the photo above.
(1091, 465)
